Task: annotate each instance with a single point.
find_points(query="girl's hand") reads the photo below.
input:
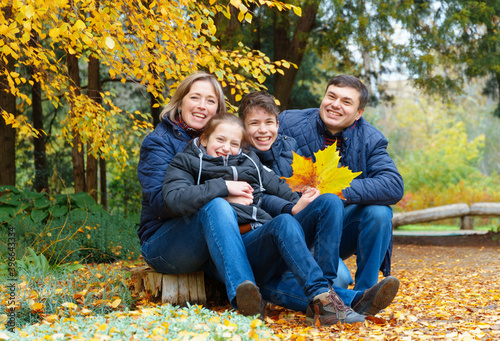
(308, 195)
(233, 199)
(239, 189)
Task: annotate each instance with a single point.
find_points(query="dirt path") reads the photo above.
(450, 290)
(471, 251)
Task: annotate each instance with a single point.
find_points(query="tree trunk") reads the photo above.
(497, 110)
(40, 154)
(77, 154)
(155, 111)
(93, 92)
(292, 50)
(7, 133)
(229, 34)
(103, 178)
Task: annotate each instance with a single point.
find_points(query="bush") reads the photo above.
(66, 228)
(445, 170)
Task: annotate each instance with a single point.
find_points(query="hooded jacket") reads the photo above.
(194, 178)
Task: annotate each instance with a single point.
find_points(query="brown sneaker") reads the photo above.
(327, 309)
(248, 299)
(378, 297)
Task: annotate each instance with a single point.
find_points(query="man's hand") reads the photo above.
(240, 192)
(308, 195)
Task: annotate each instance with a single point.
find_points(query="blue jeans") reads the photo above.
(279, 245)
(208, 241)
(321, 222)
(367, 232)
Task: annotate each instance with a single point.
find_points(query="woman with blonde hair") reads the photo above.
(210, 240)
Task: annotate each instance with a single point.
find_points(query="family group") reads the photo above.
(214, 200)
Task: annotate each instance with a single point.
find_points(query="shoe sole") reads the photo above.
(248, 299)
(384, 296)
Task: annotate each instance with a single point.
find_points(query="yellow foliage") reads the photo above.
(157, 47)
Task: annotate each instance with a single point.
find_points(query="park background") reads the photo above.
(83, 82)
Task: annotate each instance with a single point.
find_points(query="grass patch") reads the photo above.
(91, 290)
(158, 323)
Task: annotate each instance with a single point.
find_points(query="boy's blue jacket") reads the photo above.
(364, 149)
(279, 158)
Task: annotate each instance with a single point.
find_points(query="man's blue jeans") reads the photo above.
(209, 241)
(367, 232)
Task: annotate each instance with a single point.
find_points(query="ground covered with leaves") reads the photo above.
(450, 290)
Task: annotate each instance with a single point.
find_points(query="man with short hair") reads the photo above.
(367, 230)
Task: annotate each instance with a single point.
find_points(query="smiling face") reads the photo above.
(339, 108)
(262, 128)
(225, 140)
(199, 105)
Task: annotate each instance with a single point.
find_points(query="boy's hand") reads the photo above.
(308, 195)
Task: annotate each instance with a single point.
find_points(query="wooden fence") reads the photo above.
(462, 211)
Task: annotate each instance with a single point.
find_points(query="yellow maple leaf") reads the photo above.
(324, 174)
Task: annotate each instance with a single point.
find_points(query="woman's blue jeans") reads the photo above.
(209, 241)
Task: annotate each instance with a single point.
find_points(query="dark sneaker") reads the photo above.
(327, 309)
(248, 299)
(378, 297)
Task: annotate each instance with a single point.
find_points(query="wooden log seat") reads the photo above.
(173, 289)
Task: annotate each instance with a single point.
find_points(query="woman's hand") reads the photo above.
(240, 192)
(308, 195)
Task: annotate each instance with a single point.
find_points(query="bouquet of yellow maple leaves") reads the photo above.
(324, 174)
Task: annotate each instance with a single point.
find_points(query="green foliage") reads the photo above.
(66, 228)
(451, 43)
(38, 265)
(444, 160)
(445, 170)
(91, 290)
(165, 322)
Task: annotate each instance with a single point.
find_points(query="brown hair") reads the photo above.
(172, 108)
(225, 118)
(343, 81)
(259, 99)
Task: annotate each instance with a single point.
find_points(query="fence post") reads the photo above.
(467, 222)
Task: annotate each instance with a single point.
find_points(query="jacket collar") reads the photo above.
(347, 131)
(175, 129)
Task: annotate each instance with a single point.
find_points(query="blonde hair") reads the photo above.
(172, 108)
